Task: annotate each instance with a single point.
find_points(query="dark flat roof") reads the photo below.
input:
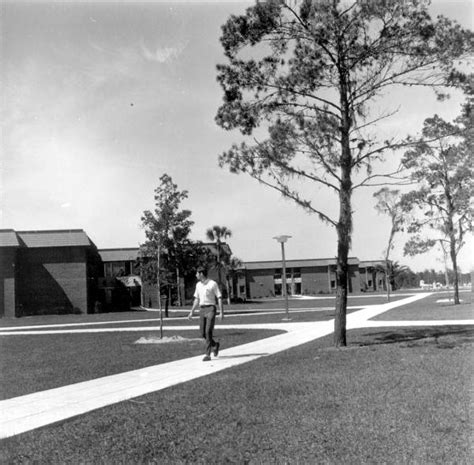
(54, 238)
(301, 263)
(8, 238)
(119, 255)
(131, 253)
(365, 263)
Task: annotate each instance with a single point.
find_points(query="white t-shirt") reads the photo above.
(207, 292)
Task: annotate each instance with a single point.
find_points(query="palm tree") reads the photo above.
(391, 271)
(233, 264)
(216, 234)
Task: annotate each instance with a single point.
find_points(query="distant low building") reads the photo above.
(120, 284)
(123, 264)
(303, 277)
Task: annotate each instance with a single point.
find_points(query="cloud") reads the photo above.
(161, 54)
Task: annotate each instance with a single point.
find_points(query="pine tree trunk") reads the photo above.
(341, 300)
(344, 225)
(452, 246)
(342, 269)
(344, 229)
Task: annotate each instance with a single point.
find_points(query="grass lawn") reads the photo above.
(235, 309)
(395, 396)
(269, 316)
(430, 309)
(38, 362)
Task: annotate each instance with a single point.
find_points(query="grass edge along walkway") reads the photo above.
(24, 413)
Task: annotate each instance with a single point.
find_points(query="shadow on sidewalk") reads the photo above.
(242, 355)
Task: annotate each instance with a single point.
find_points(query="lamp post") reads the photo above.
(140, 258)
(158, 284)
(282, 239)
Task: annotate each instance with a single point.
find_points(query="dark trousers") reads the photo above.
(207, 320)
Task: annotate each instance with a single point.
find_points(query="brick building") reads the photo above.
(9, 244)
(303, 277)
(122, 264)
(47, 272)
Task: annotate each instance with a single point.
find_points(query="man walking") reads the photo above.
(205, 296)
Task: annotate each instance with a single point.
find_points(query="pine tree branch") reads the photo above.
(295, 197)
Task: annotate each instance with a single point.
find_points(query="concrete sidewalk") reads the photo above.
(32, 411)
(21, 414)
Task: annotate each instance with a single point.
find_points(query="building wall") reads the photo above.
(315, 280)
(354, 278)
(260, 283)
(7, 282)
(241, 291)
(52, 281)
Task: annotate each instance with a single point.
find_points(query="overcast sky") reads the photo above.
(100, 99)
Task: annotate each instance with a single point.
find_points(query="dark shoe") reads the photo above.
(206, 358)
(216, 349)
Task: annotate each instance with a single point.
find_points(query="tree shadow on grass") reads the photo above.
(446, 337)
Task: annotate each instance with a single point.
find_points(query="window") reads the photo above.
(118, 268)
(107, 270)
(278, 289)
(112, 269)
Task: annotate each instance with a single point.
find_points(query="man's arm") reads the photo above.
(221, 308)
(195, 304)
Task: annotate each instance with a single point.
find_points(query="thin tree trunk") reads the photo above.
(455, 270)
(387, 277)
(228, 290)
(452, 245)
(178, 288)
(445, 261)
(387, 261)
(219, 281)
